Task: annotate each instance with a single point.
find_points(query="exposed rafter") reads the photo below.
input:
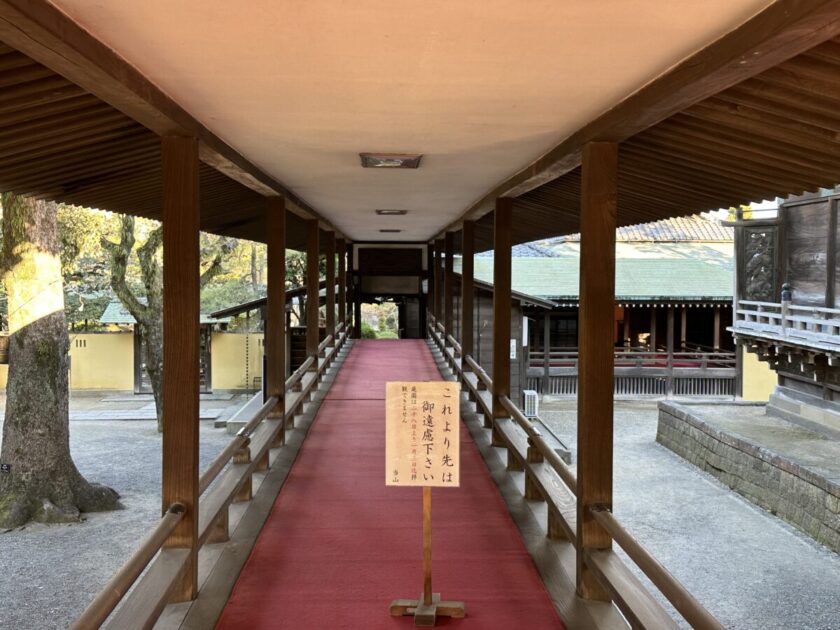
(45, 34)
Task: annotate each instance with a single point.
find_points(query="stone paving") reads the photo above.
(785, 468)
(751, 569)
(48, 574)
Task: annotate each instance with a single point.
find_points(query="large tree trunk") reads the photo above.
(39, 480)
(152, 336)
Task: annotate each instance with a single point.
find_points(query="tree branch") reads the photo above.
(119, 253)
(225, 247)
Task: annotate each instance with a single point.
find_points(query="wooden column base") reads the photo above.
(426, 616)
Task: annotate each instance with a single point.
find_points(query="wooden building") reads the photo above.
(788, 306)
(670, 334)
(116, 314)
(436, 128)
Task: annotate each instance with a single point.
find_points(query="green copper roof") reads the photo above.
(703, 275)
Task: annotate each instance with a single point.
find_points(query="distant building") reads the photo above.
(674, 287)
(117, 315)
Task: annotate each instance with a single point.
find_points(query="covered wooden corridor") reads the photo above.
(384, 143)
(338, 539)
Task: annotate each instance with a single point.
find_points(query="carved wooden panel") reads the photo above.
(808, 236)
(759, 264)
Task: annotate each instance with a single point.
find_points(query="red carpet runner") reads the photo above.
(338, 545)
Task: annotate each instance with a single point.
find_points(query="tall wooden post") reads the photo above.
(683, 327)
(716, 334)
(341, 248)
(275, 320)
(669, 381)
(467, 287)
(179, 160)
(599, 179)
(438, 271)
(652, 338)
(313, 279)
(546, 385)
(501, 302)
(448, 279)
(626, 335)
(329, 297)
(431, 291)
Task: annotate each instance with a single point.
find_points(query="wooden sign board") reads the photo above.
(422, 430)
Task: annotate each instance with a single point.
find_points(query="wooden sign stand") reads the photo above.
(429, 606)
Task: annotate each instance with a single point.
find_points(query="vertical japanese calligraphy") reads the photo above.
(422, 430)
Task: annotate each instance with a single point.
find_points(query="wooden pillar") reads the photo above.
(683, 327)
(431, 292)
(467, 287)
(438, 272)
(716, 342)
(652, 338)
(669, 381)
(313, 279)
(448, 279)
(626, 334)
(546, 387)
(599, 179)
(275, 320)
(357, 311)
(501, 302)
(329, 297)
(341, 247)
(180, 164)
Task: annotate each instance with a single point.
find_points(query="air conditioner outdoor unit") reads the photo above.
(532, 403)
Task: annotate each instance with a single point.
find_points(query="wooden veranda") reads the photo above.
(197, 116)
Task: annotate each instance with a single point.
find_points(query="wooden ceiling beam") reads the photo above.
(783, 30)
(680, 169)
(744, 162)
(39, 30)
(792, 110)
(737, 140)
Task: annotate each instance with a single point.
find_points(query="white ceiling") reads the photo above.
(480, 87)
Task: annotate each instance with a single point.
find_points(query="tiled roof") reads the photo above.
(525, 250)
(644, 279)
(116, 313)
(695, 228)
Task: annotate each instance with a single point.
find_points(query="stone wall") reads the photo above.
(780, 486)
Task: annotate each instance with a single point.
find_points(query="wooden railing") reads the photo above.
(548, 478)
(640, 372)
(227, 480)
(638, 358)
(812, 326)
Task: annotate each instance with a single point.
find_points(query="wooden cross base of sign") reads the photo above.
(425, 615)
(427, 608)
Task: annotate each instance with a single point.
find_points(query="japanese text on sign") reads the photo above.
(422, 429)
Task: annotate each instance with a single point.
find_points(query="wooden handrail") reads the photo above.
(692, 611)
(111, 594)
(454, 343)
(114, 591)
(479, 372)
(239, 441)
(326, 342)
(221, 460)
(535, 437)
(298, 373)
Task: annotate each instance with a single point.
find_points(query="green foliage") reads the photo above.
(746, 209)
(367, 331)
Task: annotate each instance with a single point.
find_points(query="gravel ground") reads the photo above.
(48, 573)
(751, 569)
